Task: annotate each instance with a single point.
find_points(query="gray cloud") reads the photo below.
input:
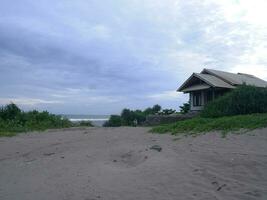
(101, 57)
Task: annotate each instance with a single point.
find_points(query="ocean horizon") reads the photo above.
(97, 120)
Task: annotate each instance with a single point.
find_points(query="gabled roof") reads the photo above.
(219, 79)
(213, 80)
(210, 80)
(236, 79)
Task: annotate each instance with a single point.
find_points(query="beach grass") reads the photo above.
(223, 124)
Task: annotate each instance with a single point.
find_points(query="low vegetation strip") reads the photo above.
(13, 120)
(224, 124)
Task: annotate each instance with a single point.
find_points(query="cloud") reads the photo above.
(99, 58)
(165, 95)
(27, 101)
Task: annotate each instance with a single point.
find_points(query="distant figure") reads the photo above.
(135, 122)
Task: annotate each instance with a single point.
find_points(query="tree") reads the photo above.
(10, 111)
(156, 108)
(185, 108)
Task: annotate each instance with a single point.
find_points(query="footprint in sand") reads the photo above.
(130, 159)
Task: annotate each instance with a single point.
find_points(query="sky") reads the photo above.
(97, 57)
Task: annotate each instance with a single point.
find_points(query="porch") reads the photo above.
(198, 99)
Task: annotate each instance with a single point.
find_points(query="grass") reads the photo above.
(224, 124)
(7, 134)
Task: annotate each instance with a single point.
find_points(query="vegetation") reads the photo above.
(14, 120)
(243, 100)
(114, 121)
(167, 112)
(224, 124)
(242, 108)
(83, 123)
(131, 117)
(185, 108)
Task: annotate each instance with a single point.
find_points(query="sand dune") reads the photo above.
(117, 163)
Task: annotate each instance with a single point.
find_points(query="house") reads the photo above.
(210, 84)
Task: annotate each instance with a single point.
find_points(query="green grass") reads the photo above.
(223, 124)
(7, 134)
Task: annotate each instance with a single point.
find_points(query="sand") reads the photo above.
(117, 163)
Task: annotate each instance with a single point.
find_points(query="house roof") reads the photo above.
(236, 79)
(213, 80)
(210, 80)
(219, 79)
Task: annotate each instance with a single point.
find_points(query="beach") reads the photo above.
(119, 163)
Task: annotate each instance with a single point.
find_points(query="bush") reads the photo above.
(132, 117)
(13, 120)
(242, 100)
(151, 111)
(185, 108)
(114, 121)
(85, 123)
(10, 112)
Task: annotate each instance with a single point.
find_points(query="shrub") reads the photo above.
(185, 108)
(132, 117)
(114, 121)
(10, 112)
(13, 120)
(151, 111)
(242, 100)
(85, 123)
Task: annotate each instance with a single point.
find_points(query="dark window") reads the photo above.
(197, 99)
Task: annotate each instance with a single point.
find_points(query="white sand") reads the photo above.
(116, 163)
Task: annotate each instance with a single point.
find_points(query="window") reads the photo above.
(197, 99)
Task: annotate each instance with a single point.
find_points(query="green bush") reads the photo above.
(13, 120)
(114, 121)
(185, 108)
(242, 100)
(85, 123)
(132, 117)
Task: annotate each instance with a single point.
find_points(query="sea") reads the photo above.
(97, 120)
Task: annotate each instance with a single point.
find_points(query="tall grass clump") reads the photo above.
(14, 120)
(240, 101)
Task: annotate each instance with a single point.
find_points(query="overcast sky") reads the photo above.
(97, 57)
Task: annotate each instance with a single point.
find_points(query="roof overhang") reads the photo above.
(183, 86)
(196, 88)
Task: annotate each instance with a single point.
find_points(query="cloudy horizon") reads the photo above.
(90, 57)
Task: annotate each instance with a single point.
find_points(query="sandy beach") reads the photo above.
(117, 163)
